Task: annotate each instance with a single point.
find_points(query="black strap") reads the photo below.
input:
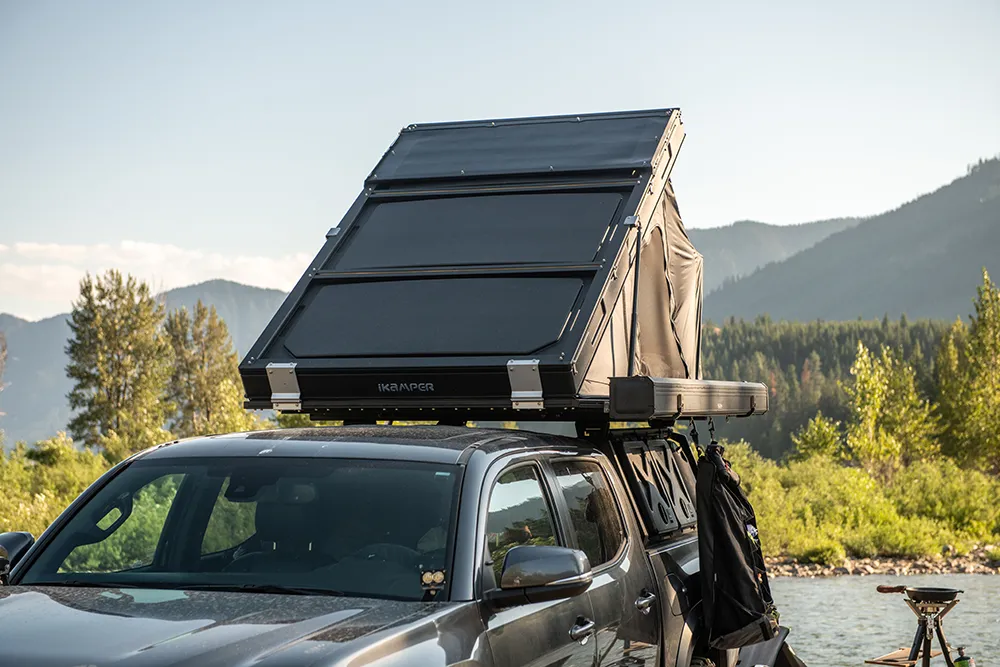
(694, 438)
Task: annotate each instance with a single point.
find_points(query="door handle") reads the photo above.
(644, 603)
(584, 628)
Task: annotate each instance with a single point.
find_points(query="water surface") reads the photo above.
(842, 621)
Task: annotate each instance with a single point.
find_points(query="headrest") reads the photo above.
(288, 515)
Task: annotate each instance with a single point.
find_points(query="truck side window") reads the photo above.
(593, 509)
(518, 514)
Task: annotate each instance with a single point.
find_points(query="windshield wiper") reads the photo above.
(235, 588)
(79, 583)
(263, 588)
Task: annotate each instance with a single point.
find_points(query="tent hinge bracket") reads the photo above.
(525, 384)
(284, 384)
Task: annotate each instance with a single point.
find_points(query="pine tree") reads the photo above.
(891, 424)
(908, 416)
(119, 362)
(820, 437)
(950, 387)
(969, 383)
(205, 383)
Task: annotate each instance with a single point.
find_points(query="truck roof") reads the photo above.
(431, 443)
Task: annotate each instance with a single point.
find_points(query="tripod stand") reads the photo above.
(930, 606)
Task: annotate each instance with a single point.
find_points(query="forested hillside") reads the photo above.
(922, 259)
(805, 365)
(737, 250)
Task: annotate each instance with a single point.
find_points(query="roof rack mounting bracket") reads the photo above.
(284, 383)
(525, 384)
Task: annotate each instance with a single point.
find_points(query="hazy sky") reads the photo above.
(184, 141)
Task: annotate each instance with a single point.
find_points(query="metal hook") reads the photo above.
(694, 432)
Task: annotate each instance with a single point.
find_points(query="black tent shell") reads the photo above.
(488, 268)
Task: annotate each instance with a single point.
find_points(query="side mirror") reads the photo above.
(12, 547)
(538, 573)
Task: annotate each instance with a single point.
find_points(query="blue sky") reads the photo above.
(189, 140)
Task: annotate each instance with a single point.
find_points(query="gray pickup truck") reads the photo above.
(365, 545)
(516, 270)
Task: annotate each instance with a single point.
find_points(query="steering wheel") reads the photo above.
(387, 552)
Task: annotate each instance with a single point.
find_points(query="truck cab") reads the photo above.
(452, 545)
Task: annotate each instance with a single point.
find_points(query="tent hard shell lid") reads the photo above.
(501, 269)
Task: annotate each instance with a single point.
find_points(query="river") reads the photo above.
(842, 621)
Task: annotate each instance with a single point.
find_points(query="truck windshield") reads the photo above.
(335, 526)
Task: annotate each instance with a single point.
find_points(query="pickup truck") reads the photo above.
(529, 270)
(365, 545)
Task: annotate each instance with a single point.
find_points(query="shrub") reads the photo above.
(820, 510)
(824, 551)
(38, 482)
(963, 500)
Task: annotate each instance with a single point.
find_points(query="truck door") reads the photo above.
(657, 470)
(624, 594)
(540, 634)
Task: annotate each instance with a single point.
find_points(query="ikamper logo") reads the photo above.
(412, 387)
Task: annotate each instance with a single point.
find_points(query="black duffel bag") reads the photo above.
(736, 597)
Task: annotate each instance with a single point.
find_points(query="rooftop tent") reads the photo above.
(489, 267)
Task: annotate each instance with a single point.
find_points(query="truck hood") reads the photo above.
(47, 626)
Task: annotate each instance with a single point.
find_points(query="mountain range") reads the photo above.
(741, 248)
(922, 259)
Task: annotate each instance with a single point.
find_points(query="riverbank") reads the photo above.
(975, 562)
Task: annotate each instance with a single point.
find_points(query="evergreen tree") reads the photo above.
(950, 386)
(205, 383)
(119, 362)
(969, 382)
(908, 416)
(820, 437)
(891, 424)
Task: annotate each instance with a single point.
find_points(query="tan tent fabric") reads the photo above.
(669, 313)
(685, 268)
(611, 356)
